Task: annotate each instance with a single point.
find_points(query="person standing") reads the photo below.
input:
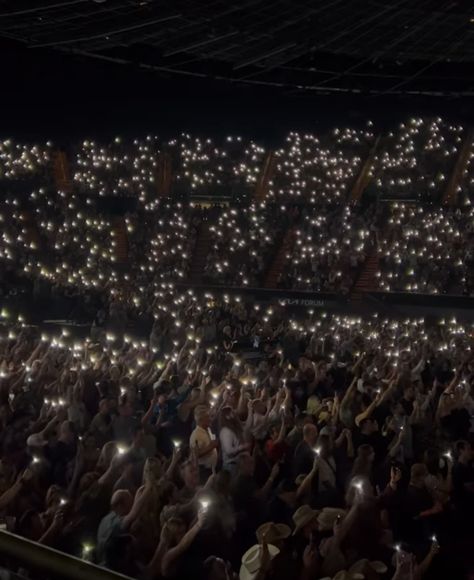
(203, 442)
(231, 437)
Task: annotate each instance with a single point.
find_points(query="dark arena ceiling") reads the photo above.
(326, 46)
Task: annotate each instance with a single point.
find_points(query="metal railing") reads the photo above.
(38, 559)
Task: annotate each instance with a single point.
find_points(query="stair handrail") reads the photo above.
(31, 555)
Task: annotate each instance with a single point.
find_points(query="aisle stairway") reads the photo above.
(365, 174)
(366, 281)
(451, 192)
(120, 239)
(201, 250)
(266, 175)
(276, 268)
(61, 172)
(164, 175)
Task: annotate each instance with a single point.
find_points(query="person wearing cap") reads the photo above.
(305, 532)
(278, 535)
(217, 568)
(275, 534)
(334, 557)
(257, 561)
(367, 568)
(305, 520)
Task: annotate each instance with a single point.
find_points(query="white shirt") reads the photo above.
(229, 445)
(201, 438)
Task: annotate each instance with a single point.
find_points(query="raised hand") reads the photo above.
(58, 520)
(275, 471)
(435, 548)
(347, 433)
(310, 557)
(395, 475)
(26, 475)
(316, 463)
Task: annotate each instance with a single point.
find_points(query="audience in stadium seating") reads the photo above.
(320, 171)
(427, 250)
(329, 248)
(62, 240)
(243, 241)
(465, 187)
(20, 162)
(415, 160)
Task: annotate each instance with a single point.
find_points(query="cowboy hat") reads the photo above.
(345, 575)
(328, 516)
(252, 561)
(272, 532)
(361, 565)
(303, 516)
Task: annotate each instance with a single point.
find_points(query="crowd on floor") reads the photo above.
(243, 440)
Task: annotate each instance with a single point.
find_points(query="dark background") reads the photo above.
(46, 94)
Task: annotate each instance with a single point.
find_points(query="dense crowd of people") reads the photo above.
(67, 240)
(63, 240)
(237, 439)
(428, 250)
(330, 248)
(415, 160)
(411, 161)
(18, 160)
(466, 185)
(168, 433)
(243, 242)
(320, 170)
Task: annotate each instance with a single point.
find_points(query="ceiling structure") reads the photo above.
(326, 46)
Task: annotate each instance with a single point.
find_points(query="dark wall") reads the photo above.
(47, 94)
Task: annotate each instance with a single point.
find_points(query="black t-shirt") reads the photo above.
(416, 500)
(407, 405)
(60, 454)
(299, 393)
(291, 348)
(249, 510)
(243, 494)
(457, 424)
(303, 459)
(463, 474)
(284, 566)
(381, 412)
